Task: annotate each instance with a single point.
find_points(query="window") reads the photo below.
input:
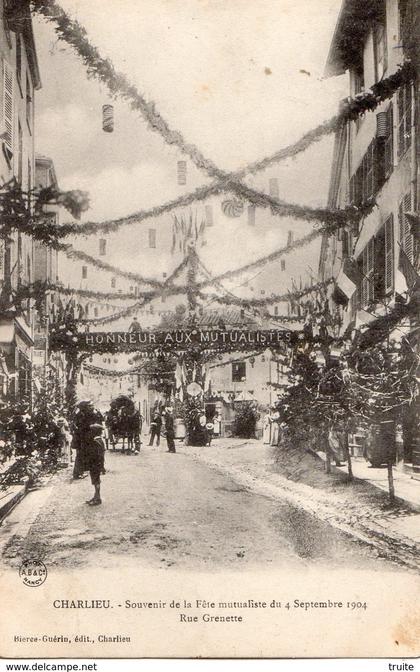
(274, 187)
(405, 235)
(368, 260)
(84, 272)
(238, 372)
(29, 183)
(19, 60)
(380, 50)
(368, 172)
(345, 244)
(102, 247)
(209, 215)
(95, 311)
(283, 264)
(358, 78)
(20, 154)
(152, 237)
(389, 142)
(389, 254)
(289, 237)
(28, 102)
(402, 16)
(365, 181)
(182, 172)
(376, 266)
(251, 215)
(113, 282)
(276, 310)
(404, 118)
(8, 107)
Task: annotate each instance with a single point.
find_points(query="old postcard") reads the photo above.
(209, 328)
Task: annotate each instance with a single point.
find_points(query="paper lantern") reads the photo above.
(232, 208)
(108, 118)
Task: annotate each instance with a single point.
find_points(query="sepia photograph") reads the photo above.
(209, 328)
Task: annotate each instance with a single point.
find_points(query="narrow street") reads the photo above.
(161, 510)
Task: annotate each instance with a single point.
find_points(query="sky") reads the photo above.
(239, 78)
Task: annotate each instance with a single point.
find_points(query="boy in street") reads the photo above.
(95, 452)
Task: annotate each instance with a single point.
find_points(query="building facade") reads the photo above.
(19, 81)
(376, 158)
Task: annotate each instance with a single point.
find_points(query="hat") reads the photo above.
(84, 402)
(96, 425)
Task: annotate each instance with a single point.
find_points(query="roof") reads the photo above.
(19, 19)
(354, 21)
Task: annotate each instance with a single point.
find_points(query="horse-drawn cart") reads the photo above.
(124, 425)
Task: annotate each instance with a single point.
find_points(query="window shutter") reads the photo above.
(368, 270)
(404, 118)
(209, 215)
(389, 255)
(152, 237)
(251, 215)
(8, 104)
(405, 236)
(274, 187)
(365, 279)
(389, 142)
(345, 244)
(408, 238)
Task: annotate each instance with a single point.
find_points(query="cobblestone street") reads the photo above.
(163, 510)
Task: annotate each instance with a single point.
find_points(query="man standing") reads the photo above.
(155, 427)
(170, 430)
(84, 417)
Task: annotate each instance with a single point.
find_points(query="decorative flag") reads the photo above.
(410, 274)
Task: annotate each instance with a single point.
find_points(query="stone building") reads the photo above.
(376, 157)
(19, 81)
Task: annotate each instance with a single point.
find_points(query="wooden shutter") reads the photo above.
(406, 238)
(389, 255)
(209, 215)
(389, 142)
(274, 187)
(251, 215)
(368, 271)
(8, 104)
(404, 118)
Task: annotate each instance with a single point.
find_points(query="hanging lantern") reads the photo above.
(108, 118)
(232, 207)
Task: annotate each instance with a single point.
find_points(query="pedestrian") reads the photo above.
(64, 439)
(170, 430)
(155, 429)
(84, 416)
(210, 431)
(217, 424)
(95, 451)
(267, 427)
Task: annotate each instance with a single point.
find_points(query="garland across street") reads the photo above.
(179, 340)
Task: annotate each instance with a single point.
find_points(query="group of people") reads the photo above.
(160, 417)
